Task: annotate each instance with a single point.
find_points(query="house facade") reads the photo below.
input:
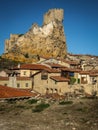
(51, 78)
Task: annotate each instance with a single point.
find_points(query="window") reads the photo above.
(24, 73)
(65, 74)
(56, 90)
(27, 84)
(78, 81)
(55, 82)
(18, 85)
(71, 74)
(44, 75)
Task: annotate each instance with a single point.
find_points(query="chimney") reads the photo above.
(19, 65)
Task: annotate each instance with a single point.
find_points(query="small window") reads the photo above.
(71, 74)
(27, 84)
(55, 82)
(65, 74)
(56, 90)
(18, 85)
(24, 72)
(44, 75)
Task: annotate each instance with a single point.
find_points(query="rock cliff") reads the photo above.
(48, 40)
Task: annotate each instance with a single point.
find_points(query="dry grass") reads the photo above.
(82, 114)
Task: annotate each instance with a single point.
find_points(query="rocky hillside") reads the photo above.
(48, 40)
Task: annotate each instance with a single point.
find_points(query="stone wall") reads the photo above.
(9, 43)
(53, 14)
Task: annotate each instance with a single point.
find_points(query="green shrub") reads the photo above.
(72, 80)
(32, 101)
(40, 107)
(65, 102)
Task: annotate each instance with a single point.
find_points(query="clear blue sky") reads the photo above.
(80, 21)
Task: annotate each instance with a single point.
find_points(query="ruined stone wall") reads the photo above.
(53, 14)
(48, 40)
(9, 42)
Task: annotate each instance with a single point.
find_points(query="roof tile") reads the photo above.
(8, 92)
(60, 79)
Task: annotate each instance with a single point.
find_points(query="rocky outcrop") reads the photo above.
(48, 40)
(52, 15)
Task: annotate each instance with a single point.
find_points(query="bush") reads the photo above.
(40, 107)
(65, 102)
(32, 101)
(72, 80)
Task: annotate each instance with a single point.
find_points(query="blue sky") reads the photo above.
(80, 21)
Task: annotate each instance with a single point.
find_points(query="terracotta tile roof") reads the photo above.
(84, 72)
(37, 67)
(94, 71)
(32, 67)
(55, 71)
(93, 75)
(60, 79)
(8, 92)
(70, 69)
(90, 73)
(4, 78)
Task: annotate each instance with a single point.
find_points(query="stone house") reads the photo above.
(3, 73)
(41, 78)
(94, 81)
(17, 82)
(71, 64)
(60, 85)
(88, 77)
(50, 82)
(89, 81)
(70, 72)
(84, 77)
(4, 81)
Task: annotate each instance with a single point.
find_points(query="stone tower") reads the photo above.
(52, 15)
